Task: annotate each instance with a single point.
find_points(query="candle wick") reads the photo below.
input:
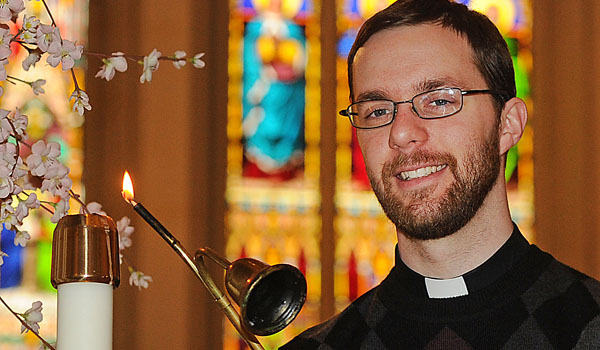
(129, 200)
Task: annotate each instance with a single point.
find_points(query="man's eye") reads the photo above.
(378, 113)
(439, 103)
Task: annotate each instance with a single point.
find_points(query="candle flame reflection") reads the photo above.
(127, 192)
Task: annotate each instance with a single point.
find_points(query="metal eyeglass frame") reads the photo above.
(346, 112)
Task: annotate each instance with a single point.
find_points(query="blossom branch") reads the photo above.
(42, 203)
(42, 170)
(74, 79)
(26, 325)
(36, 85)
(46, 208)
(78, 200)
(16, 145)
(49, 12)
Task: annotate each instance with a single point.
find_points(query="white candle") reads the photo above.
(85, 270)
(85, 312)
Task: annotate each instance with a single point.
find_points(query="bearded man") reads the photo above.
(434, 101)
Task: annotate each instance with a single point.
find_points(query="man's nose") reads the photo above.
(407, 130)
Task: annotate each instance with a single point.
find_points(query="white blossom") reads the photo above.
(94, 208)
(57, 181)
(10, 9)
(150, 65)
(21, 175)
(48, 38)
(29, 37)
(116, 62)
(42, 157)
(197, 60)
(3, 73)
(8, 217)
(67, 53)
(33, 58)
(31, 202)
(7, 214)
(3, 254)
(7, 185)
(60, 209)
(5, 128)
(20, 121)
(30, 23)
(82, 101)
(29, 29)
(8, 154)
(138, 279)
(37, 86)
(125, 231)
(21, 238)
(5, 38)
(32, 317)
(180, 59)
(20, 170)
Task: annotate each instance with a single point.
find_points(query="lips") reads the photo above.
(420, 172)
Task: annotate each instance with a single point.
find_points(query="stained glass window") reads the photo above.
(513, 18)
(273, 155)
(273, 144)
(365, 239)
(25, 275)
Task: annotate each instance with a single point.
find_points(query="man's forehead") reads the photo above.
(419, 58)
(416, 87)
(414, 37)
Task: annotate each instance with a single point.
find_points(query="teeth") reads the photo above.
(421, 172)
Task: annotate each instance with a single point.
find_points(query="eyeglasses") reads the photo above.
(433, 104)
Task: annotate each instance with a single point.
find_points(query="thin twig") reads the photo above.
(9, 78)
(18, 149)
(27, 325)
(74, 79)
(41, 203)
(22, 43)
(125, 260)
(49, 13)
(46, 208)
(19, 80)
(78, 199)
(24, 143)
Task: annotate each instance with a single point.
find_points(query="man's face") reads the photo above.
(431, 176)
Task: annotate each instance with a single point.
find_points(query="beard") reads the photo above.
(420, 217)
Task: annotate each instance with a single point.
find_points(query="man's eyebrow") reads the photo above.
(372, 95)
(431, 84)
(421, 86)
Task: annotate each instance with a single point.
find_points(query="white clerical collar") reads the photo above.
(446, 288)
(470, 282)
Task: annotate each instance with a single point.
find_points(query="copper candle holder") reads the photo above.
(85, 248)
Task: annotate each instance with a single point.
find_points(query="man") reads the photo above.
(433, 98)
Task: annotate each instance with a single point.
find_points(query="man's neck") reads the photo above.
(463, 250)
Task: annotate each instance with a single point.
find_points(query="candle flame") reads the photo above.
(127, 192)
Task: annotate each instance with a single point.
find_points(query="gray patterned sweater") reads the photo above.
(521, 298)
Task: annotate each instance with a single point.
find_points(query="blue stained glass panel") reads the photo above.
(11, 272)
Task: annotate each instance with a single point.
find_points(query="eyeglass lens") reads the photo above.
(431, 104)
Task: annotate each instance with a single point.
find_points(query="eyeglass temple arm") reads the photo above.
(345, 113)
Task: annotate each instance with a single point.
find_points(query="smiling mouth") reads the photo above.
(421, 172)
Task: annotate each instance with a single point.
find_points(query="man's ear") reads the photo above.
(513, 120)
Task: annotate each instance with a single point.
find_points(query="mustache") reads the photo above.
(416, 158)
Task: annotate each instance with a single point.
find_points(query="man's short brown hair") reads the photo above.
(490, 51)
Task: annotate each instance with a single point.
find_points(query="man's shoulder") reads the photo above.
(349, 326)
(564, 303)
(559, 279)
